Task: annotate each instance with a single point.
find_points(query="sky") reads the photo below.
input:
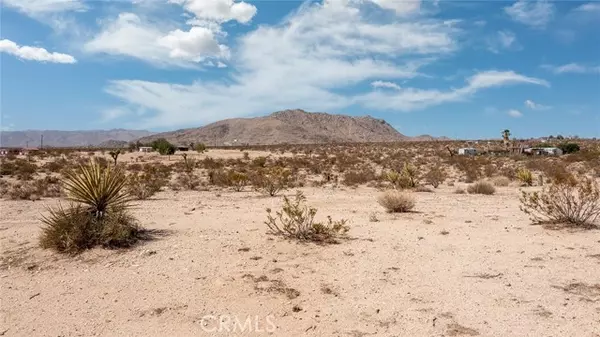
(461, 69)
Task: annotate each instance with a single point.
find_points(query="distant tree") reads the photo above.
(163, 147)
(200, 147)
(569, 147)
(115, 155)
(560, 137)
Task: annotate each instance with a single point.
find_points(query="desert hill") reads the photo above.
(56, 138)
(288, 126)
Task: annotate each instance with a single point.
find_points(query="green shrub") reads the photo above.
(297, 221)
(569, 147)
(163, 147)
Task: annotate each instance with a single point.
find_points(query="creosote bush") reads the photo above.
(435, 176)
(142, 185)
(396, 202)
(564, 203)
(481, 187)
(271, 181)
(297, 221)
(98, 215)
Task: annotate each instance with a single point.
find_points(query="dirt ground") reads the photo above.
(461, 265)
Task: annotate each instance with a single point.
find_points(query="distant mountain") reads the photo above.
(55, 138)
(288, 126)
(115, 144)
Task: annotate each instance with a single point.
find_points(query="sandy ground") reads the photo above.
(462, 265)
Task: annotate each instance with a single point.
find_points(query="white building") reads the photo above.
(467, 151)
(145, 149)
(553, 151)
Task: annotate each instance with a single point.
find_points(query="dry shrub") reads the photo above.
(238, 180)
(481, 187)
(501, 181)
(297, 221)
(359, 177)
(186, 181)
(423, 189)
(459, 191)
(271, 181)
(396, 202)
(72, 230)
(143, 185)
(99, 215)
(564, 203)
(218, 177)
(558, 174)
(435, 176)
(23, 191)
(20, 168)
(525, 177)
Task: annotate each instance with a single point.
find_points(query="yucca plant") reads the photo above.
(98, 213)
(101, 189)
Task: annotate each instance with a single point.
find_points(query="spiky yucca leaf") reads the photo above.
(100, 188)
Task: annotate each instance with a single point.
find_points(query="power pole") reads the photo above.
(41, 142)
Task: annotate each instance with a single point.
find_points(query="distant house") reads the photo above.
(467, 151)
(183, 148)
(145, 149)
(544, 151)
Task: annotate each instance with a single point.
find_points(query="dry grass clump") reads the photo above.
(459, 191)
(525, 177)
(396, 202)
(481, 187)
(564, 203)
(297, 221)
(98, 216)
(501, 181)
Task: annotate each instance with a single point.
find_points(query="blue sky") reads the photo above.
(462, 69)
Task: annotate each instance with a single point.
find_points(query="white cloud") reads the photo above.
(591, 7)
(515, 113)
(503, 39)
(400, 7)
(383, 84)
(34, 53)
(297, 63)
(536, 13)
(219, 10)
(133, 36)
(535, 106)
(42, 7)
(408, 99)
(194, 45)
(574, 68)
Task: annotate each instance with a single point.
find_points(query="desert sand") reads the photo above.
(460, 265)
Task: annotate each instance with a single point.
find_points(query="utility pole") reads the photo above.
(41, 142)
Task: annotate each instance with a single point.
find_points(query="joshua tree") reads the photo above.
(506, 137)
(115, 155)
